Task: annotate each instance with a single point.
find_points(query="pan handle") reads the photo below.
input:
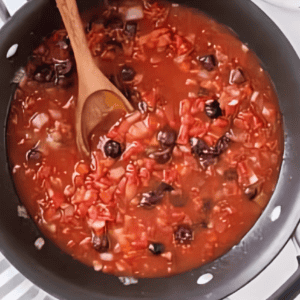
(4, 14)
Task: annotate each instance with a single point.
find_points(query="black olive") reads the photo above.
(64, 81)
(34, 155)
(203, 224)
(114, 22)
(212, 109)
(178, 199)
(203, 92)
(207, 160)
(43, 73)
(112, 149)
(222, 144)
(208, 62)
(149, 200)
(199, 147)
(143, 107)
(164, 187)
(127, 73)
(130, 28)
(167, 137)
(62, 67)
(183, 234)
(231, 174)
(101, 243)
(162, 156)
(94, 20)
(156, 248)
(207, 156)
(237, 76)
(207, 205)
(251, 192)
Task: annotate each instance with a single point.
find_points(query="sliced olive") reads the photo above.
(212, 109)
(183, 234)
(207, 205)
(62, 67)
(143, 107)
(101, 243)
(156, 248)
(222, 144)
(208, 62)
(231, 174)
(112, 149)
(131, 28)
(251, 192)
(237, 76)
(149, 200)
(34, 156)
(114, 22)
(43, 73)
(203, 224)
(207, 156)
(203, 92)
(164, 187)
(63, 81)
(161, 156)
(207, 160)
(199, 147)
(167, 137)
(127, 73)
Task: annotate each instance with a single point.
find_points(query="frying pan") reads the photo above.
(65, 278)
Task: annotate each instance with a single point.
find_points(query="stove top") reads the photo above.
(14, 286)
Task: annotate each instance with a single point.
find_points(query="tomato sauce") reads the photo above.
(173, 185)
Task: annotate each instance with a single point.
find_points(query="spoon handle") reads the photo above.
(72, 21)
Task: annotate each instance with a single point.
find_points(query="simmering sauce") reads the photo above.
(173, 185)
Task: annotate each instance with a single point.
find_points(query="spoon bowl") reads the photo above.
(101, 109)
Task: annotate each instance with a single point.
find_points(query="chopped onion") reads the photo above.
(233, 102)
(117, 173)
(253, 179)
(106, 256)
(40, 120)
(55, 114)
(132, 13)
(254, 96)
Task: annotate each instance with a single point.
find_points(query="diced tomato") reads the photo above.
(185, 106)
(183, 136)
(134, 149)
(58, 199)
(107, 195)
(93, 212)
(44, 172)
(82, 168)
(198, 106)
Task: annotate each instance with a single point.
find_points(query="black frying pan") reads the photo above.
(65, 278)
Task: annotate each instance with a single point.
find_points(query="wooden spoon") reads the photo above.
(97, 96)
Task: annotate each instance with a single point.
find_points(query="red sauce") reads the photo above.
(170, 187)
